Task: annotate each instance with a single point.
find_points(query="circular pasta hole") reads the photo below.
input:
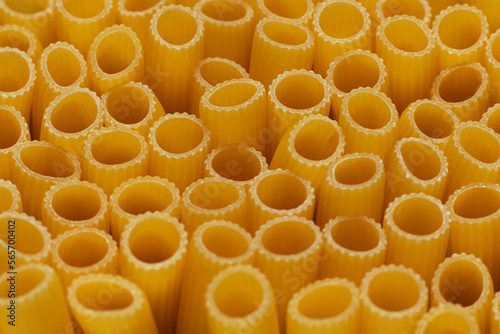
(369, 111)
(27, 6)
(480, 144)
(288, 237)
(214, 195)
(355, 171)
(142, 197)
(14, 72)
(403, 7)
(118, 296)
(325, 302)
(112, 62)
(433, 121)
(83, 249)
(238, 295)
(406, 35)
(76, 203)
(284, 33)
(460, 84)
(465, 274)
(300, 91)
(448, 322)
(232, 94)
(460, 29)
(31, 278)
(167, 135)
(421, 160)
(237, 163)
(128, 104)
(29, 238)
(115, 147)
(477, 202)
(393, 291)
(10, 129)
(172, 21)
(84, 9)
(355, 234)
(221, 10)
(356, 71)
(282, 191)
(317, 140)
(214, 72)
(224, 241)
(418, 216)
(14, 39)
(6, 199)
(63, 66)
(341, 20)
(75, 113)
(47, 161)
(154, 240)
(282, 8)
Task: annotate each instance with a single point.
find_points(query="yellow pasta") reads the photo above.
(39, 297)
(393, 299)
(495, 315)
(240, 300)
(339, 26)
(113, 156)
(297, 11)
(13, 131)
(74, 204)
(141, 195)
(104, 303)
(10, 197)
(438, 5)
(292, 96)
(214, 246)
(173, 51)
(21, 38)
(492, 61)
(491, 9)
(132, 105)
(354, 69)
(178, 145)
(448, 318)
(464, 279)
(152, 254)
(277, 38)
(388, 8)
(352, 247)
(491, 118)
(355, 183)
(309, 148)
(38, 166)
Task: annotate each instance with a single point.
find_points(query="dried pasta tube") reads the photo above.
(123, 309)
(495, 315)
(36, 15)
(38, 166)
(113, 156)
(415, 166)
(39, 296)
(492, 61)
(153, 254)
(13, 131)
(21, 38)
(229, 27)
(448, 318)
(208, 73)
(355, 69)
(79, 21)
(491, 118)
(388, 8)
(408, 49)
(292, 96)
(296, 11)
(393, 299)
(138, 196)
(430, 120)
(491, 9)
(71, 118)
(355, 183)
(461, 33)
(214, 246)
(17, 80)
(277, 38)
(438, 5)
(174, 50)
(289, 254)
(464, 279)
(83, 251)
(368, 117)
(352, 247)
(178, 145)
(326, 306)
(473, 154)
(339, 26)
(465, 89)
(61, 67)
(10, 197)
(74, 204)
(132, 106)
(474, 224)
(310, 147)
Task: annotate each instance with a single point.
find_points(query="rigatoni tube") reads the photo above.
(491, 118)
(22, 38)
(448, 318)
(495, 315)
(13, 131)
(10, 197)
(388, 8)
(493, 65)
(296, 11)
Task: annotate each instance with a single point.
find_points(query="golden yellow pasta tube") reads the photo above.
(415, 166)
(438, 5)
(36, 15)
(428, 119)
(103, 303)
(289, 253)
(60, 67)
(74, 204)
(174, 50)
(495, 315)
(83, 251)
(369, 121)
(408, 49)
(276, 38)
(13, 131)
(490, 8)
(153, 254)
(213, 247)
(10, 197)
(352, 247)
(113, 156)
(339, 26)
(79, 22)
(355, 183)
(393, 299)
(296, 11)
(388, 8)
(38, 166)
(464, 279)
(310, 147)
(491, 118)
(208, 73)
(132, 106)
(461, 32)
(141, 195)
(492, 62)
(235, 113)
(447, 318)
(292, 96)
(21, 38)
(229, 27)
(178, 145)
(326, 306)
(473, 154)
(39, 296)
(355, 69)
(71, 118)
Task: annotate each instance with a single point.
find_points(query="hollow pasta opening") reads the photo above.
(460, 29)
(216, 71)
(63, 66)
(47, 161)
(117, 296)
(224, 10)
(27, 280)
(142, 197)
(6, 199)
(139, 5)
(110, 61)
(74, 113)
(10, 129)
(14, 39)
(356, 71)
(464, 274)
(421, 160)
(179, 135)
(393, 291)
(300, 91)
(418, 216)
(29, 239)
(460, 84)
(369, 110)
(477, 202)
(237, 163)
(238, 295)
(494, 120)
(177, 26)
(83, 249)
(317, 140)
(27, 6)
(341, 20)
(14, 72)
(284, 33)
(84, 9)
(433, 121)
(282, 8)
(214, 195)
(480, 144)
(403, 7)
(355, 234)
(288, 237)
(447, 322)
(76, 202)
(224, 241)
(232, 94)
(406, 35)
(356, 170)
(282, 191)
(115, 147)
(325, 302)
(128, 104)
